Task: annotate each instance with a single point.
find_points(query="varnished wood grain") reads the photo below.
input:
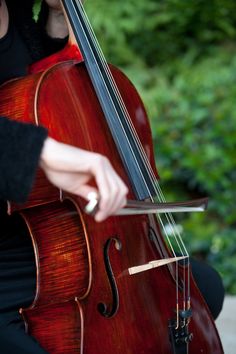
(69, 245)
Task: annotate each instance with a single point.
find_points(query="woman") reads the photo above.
(23, 148)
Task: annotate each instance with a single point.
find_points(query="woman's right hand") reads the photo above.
(70, 169)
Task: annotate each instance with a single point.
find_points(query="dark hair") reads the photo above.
(22, 17)
(25, 5)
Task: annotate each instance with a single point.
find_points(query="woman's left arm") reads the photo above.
(56, 26)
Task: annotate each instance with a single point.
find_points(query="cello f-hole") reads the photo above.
(110, 310)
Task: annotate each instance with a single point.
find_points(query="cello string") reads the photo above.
(184, 282)
(106, 68)
(119, 99)
(108, 72)
(159, 192)
(107, 90)
(115, 88)
(144, 155)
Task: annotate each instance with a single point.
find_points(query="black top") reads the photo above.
(20, 146)
(10, 45)
(17, 140)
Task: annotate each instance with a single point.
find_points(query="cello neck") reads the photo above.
(136, 165)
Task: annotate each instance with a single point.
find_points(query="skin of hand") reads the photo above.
(70, 169)
(54, 4)
(3, 19)
(56, 25)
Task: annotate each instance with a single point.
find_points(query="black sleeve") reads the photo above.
(20, 146)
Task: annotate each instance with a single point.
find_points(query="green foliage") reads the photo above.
(157, 31)
(195, 131)
(36, 9)
(181, 55)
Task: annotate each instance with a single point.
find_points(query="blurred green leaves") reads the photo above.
(181, 55)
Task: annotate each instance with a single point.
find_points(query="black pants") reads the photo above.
(14, 340)
(210, 284)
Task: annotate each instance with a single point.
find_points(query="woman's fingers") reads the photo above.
(71, 169)
(112, 190)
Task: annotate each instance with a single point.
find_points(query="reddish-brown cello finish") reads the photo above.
(72, 280)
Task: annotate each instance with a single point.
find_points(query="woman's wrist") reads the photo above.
(56, 26)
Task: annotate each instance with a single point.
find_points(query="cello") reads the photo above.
(114, 287)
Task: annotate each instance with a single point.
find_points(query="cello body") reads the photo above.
(86, 301)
